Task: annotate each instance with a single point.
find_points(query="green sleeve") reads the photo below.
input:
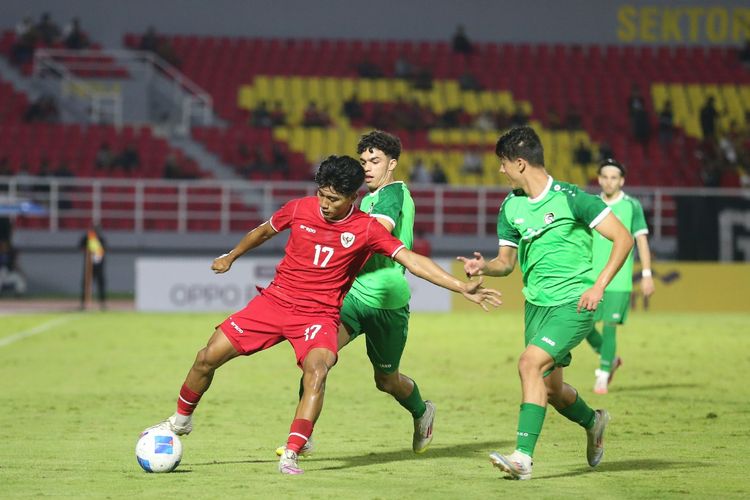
(506, 233)
(588, 208)
(389, 203)
(639, 219)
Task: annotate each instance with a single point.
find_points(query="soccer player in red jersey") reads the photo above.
(330, 240)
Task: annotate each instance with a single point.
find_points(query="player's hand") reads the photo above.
(590, 299)
(473, 267)
(647, 286)
(475, 292)
(222, 263)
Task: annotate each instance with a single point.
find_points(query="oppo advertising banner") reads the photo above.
(189, 285)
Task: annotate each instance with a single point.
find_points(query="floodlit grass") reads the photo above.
(74, 397)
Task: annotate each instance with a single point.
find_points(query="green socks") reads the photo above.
(608, 347)
(530, 421)
(594, 339)
(580, 413)
(414, 403)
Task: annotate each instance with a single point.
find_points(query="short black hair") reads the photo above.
(377, 139)
(343, 174)
(611, 162)
(521, 142)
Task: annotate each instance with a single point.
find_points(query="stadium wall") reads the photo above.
(573, 21)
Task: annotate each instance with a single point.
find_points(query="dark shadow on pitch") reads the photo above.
(478, 449)
(652, 387)
(234, 462)
(650, 464)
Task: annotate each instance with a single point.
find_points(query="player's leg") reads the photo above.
(607, 358)
(218, 351)
(594, 339)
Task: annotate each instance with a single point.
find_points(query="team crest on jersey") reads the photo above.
(549, 218)
(347, 239)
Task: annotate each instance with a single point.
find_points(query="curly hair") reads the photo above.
(385, 142)
(343, 174)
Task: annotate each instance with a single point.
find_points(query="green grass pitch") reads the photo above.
(76, 392)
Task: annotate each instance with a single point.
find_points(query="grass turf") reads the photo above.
(76, 392)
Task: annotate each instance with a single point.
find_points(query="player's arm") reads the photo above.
(644, 254)
(251, 240)
(502, 265)
(425, 268)
(622, 243)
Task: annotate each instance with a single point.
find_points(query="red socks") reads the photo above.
(299, 433)
(187, 401)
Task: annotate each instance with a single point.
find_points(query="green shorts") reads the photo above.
(385, 331)
(557, 329)
(614, 308)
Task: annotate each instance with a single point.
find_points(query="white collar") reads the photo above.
(544, 191)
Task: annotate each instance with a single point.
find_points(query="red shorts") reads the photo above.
(265, 321)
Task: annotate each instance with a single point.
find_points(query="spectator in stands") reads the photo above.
(605, 152)
(642, 127)
(172, 168)
(278, 115)
(519, 118)
(11, 277)
(314, 117)
(553, 119)
(710, 160)
(423, 79)
(573, 120)
(485, 121)
(403, 68)
(129, 159)
(666, 124)
(258, 164)
(105, 157)
(149, 40)
(582, 156)
(502, 120)
(461, 43)
(94, 248)
(438, 174)
(744, 55)
(451, 118)
(24, 180)
(380, 118)
(708, 117)
(49, 32)
(467, 81)
(73, 37)
(260, 116)
(368, 69)
(22, 49)
(419, 173)
(43, 109)
(472, 164)
(353, 108)
(63, 171)
(279, 160)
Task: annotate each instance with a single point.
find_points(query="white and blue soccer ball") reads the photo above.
(158, 450)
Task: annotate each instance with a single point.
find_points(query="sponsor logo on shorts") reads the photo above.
(347, 239)
(616, 315)
(548, 341)
(380, 365)
(236, 327)
(308, 229)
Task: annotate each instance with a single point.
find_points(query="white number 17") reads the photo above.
(328, 251)
(311, 331)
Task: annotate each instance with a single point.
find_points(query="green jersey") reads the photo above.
(381, 282)
(553, 235)
(630, 213)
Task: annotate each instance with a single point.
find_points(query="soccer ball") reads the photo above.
(158, 450)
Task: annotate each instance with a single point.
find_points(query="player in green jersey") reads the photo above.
(614, 308)
(547, 225)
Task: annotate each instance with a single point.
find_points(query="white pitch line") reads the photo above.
(15, 337)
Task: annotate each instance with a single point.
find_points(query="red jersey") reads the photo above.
(322, 257)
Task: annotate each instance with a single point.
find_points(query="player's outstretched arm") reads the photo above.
(644, 255)
(251, 240)
(622, 243)
(502, 265)
(425, 268)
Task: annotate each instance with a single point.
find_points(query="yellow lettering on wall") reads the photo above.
(626, 19)
(740, 25)
(717, 24)
(670, 25)
(694, 14)
(648, 24)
